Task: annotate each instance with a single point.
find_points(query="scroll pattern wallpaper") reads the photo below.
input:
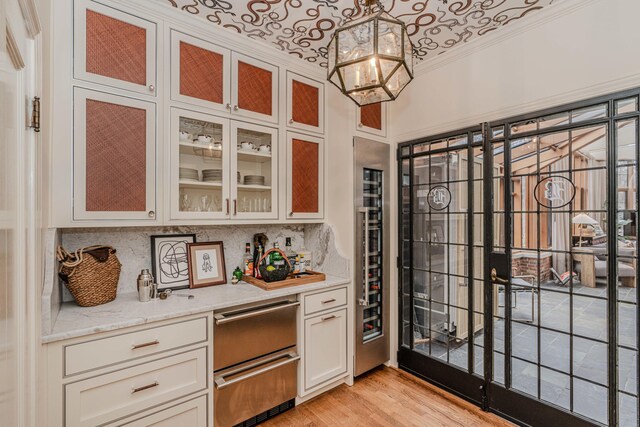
(304, 27)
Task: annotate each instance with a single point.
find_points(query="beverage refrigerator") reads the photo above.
(372, 258)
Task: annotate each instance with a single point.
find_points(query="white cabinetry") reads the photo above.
(324, 343)
(137, 376)
(192, 413)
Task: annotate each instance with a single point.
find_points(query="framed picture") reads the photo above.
(169, 260)
(206, 264)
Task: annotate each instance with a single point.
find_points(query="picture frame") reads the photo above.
(169, 260)
(206, 264)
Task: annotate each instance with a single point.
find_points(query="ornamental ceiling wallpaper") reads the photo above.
(304, 27)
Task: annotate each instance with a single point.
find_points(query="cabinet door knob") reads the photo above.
(152, 214)
(227, 201)
(290, 121)
(235, 207)
(360, 125)
(152, 88)
(290, 213)
(228, 106)
(235, 108)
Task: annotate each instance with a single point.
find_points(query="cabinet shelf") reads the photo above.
(255, 156)
(247, 187)
(185, 183)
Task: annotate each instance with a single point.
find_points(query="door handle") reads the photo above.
(221, 318)
(365, 294)
(497, 279)
(265, 366)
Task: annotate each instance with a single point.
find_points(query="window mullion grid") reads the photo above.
(612, 279)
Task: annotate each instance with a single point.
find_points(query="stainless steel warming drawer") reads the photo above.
(251, 388)
(247, 332)
(255, 360)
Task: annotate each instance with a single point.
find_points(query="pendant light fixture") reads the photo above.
(370, 59)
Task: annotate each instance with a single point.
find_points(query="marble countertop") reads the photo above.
(75, 321)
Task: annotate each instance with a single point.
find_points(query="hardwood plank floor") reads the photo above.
(387, 397)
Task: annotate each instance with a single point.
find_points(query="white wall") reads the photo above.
(572, 50)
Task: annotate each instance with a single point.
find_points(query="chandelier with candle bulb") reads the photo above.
(370, 59)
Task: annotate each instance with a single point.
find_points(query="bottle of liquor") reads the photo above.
(247, 260)
(291, 256)
(276, 258)
(256, 270)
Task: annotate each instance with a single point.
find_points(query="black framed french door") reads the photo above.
(518, 263)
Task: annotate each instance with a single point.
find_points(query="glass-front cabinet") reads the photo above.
(254, 165)
(222, 169)
(200, 166)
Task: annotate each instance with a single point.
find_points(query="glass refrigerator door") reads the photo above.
(373, 256)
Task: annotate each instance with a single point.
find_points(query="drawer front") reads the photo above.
(247, 333)
(251, 388)
(325, 300)
(325, 348)
(192, 413)
(108, 397)
(107, 351)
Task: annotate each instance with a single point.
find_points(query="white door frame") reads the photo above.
(20, 57)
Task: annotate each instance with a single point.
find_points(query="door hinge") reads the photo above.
(35, 114)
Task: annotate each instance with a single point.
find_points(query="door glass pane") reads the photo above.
(373, 273)
(253, 177)
(627, 265)
(201, 172)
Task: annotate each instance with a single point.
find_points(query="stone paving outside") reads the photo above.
(552, 381)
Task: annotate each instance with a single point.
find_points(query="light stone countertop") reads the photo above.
(126, 311)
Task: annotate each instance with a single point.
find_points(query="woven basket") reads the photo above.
(91, 274)
(277, 274)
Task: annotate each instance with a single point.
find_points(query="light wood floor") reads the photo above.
(387, 397)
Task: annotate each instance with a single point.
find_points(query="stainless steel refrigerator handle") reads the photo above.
(221, 383)
(222, 319)
(365, 295)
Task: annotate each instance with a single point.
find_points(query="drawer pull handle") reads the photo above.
(333, 316)
(264, 366)
(146, 344)
(224, 318)
(327, 301)
(145, 387)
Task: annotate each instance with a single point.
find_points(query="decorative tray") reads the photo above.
(293, 280)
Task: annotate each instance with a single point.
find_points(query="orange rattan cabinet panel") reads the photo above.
(201, 73)
(305, 162)
(255, 88)
(305, 103)
(371, 116)
(116, 157)
(115, 48)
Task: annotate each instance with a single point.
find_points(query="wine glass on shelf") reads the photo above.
(185, 202)
(205, 203)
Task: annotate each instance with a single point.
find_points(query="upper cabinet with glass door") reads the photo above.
(305, 103)
(200, 170)
(114, 48)
(254, 164)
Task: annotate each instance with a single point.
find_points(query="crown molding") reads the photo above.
(548, 14)
(30, 15)
(592, 91)
(257, 48)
